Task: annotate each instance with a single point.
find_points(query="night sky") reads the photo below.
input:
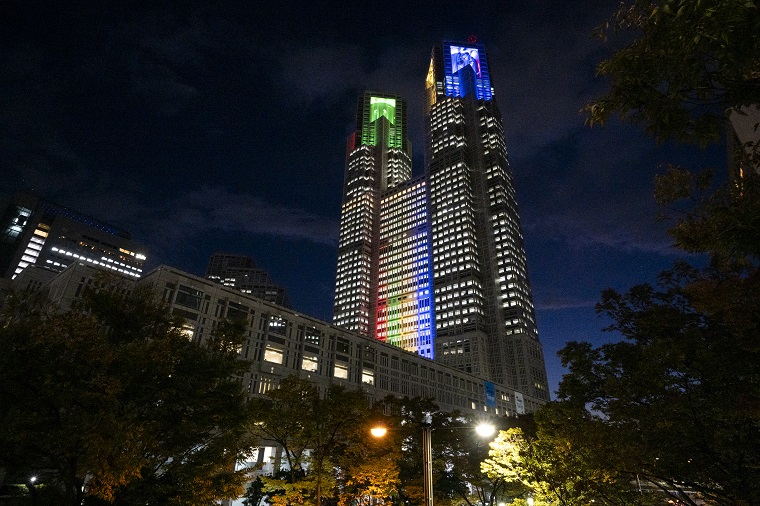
(221, 126)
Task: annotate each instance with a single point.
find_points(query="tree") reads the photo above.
(683, 65)
(679, 397)
(315, 433)
(569, 457)
(684, 387)
(113, 400)
(369, 470)
(456, 454)
(506, 462)
(461, 478)
(722, 223)
(254, 493)
(405, 418)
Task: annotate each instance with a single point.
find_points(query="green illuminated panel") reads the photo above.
(379, 106)
(382, 107)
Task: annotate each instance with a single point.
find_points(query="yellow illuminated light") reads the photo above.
(485, 430)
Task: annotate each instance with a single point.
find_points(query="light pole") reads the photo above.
(427, 464)
(484, 430)
(32, 490)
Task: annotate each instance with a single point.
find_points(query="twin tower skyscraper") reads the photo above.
(436, 264)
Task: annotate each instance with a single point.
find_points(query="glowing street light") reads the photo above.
(483, 430)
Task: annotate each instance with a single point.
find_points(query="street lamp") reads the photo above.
(483, 430)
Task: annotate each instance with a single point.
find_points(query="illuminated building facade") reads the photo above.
(485, 322)
(436, 265)
(383, 287)
(36, 232)
(404, 293)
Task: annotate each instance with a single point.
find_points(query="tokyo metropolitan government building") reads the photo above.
(436, 264)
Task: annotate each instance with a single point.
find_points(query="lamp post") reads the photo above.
(484, 430)
(427, 464)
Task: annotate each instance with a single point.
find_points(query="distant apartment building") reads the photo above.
(241, 272)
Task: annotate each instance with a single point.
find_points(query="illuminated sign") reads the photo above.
(490, 391)
(462, 57)
(519, 403)
(466, 71)
(385, 107)
(382, 107)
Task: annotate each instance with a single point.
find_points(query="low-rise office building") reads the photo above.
(280, 342)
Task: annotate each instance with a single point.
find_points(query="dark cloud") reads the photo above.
(193, 214)
(321, 73)
(159, 86)
(550, 303)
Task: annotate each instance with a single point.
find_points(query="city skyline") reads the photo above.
(204, 129)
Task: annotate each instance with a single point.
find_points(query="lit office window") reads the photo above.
(310, 363)
(368, 376)
(341, 371)
(273, 354)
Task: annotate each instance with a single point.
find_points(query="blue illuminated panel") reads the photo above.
(466, 71)
(462, 57)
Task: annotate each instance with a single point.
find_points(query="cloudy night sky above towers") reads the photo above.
(203, 128)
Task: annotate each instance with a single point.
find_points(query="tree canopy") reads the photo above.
(325, 445)
(682, 66)
(682, 389)
(113, 403)
(566, 457)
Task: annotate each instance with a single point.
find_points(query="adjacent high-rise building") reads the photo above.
(241, 272)
(436, 264)
(34, 231)
(485, 321)
(383, 285)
